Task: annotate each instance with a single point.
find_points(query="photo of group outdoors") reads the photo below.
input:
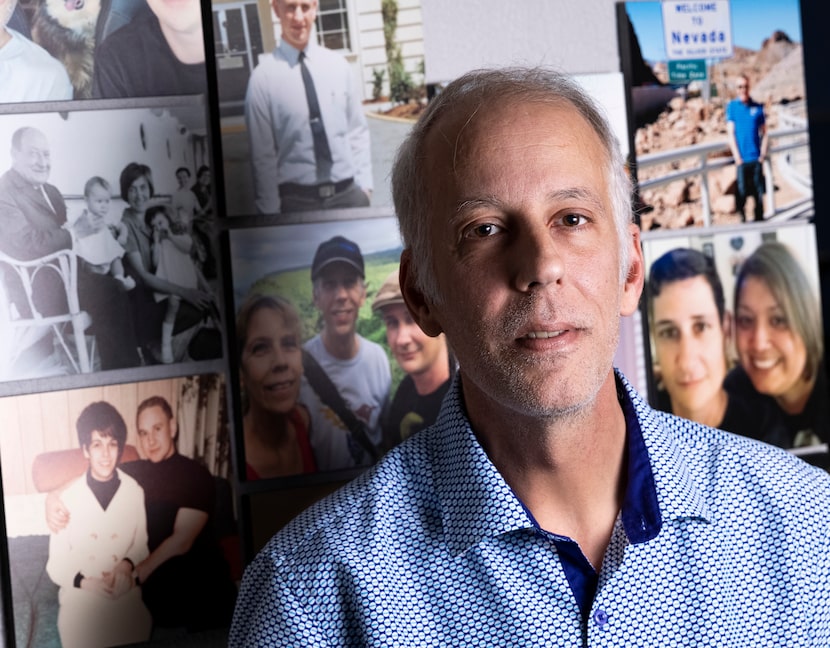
(736, 333)
(316, 100)
(119, 513)
(719, 109)
(333, 372)
(107, 254)
(52, 50)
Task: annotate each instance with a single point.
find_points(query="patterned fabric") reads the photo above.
(432, 548)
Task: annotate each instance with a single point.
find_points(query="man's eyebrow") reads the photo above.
(560, 195)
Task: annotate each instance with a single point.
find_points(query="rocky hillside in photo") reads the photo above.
(776, 77)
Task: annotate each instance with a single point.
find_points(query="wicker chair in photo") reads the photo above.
(20, 329)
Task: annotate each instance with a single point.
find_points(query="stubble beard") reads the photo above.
(511, 377)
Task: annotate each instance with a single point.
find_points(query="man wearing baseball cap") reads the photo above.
(428, 364)
(352, 391)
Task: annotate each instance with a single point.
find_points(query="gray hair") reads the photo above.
(410, 184)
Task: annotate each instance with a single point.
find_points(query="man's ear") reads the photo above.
(635, 276)
(419, 305)
(174, 428)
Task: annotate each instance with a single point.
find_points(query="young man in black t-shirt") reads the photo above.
(428, 364)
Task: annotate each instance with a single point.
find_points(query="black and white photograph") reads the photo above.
(108, 252)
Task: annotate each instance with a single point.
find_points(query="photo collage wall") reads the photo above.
(201, 329)
(117, 434)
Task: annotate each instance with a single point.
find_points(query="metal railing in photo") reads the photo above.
(788, 146)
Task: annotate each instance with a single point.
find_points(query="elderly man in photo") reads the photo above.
(27, 71)
(33, 222)
(549, 504)
(308, 135)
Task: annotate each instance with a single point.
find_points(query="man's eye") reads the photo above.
(668, 333)
(483, 231)
(573, 220)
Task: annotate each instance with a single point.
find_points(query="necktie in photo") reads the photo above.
(322, 153)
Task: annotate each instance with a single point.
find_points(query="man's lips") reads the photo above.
(544, 335)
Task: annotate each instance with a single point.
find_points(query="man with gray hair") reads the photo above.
(33, 219)
(549, 504)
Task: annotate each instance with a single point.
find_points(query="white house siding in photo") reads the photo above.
(244, 30)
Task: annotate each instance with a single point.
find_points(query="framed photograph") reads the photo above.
(366, 94)
(108, 257)
(94, 481)
(299, 291)
(735, 333)
(100, 49)
(718, 112)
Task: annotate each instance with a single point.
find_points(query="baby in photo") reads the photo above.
(98, 242)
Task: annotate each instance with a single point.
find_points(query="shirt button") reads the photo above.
(600, 617)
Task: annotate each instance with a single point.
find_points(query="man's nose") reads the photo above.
(686, 353)
(537, 258)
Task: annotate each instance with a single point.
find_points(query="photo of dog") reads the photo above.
(66, 29)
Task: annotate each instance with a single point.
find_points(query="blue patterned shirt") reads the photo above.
(432, 548)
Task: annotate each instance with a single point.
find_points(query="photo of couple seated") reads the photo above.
(107, 261)
(119, 513)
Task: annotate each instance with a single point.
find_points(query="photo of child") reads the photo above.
(170, 250)
(98, 243)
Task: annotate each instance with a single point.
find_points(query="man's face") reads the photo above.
(527, 257)
(102, 453)
(296, 20)
(742, 85)
(414, 350)
(183, 177)
(178, 16)
(339, 292)
(33, 160)
(156, 433)
(690, 343)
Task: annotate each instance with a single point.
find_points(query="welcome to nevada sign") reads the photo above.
(697, 30)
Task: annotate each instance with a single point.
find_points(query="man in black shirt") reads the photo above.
(160, 52)
(426, 360)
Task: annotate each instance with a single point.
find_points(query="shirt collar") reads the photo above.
(476, 503)
(292, 54)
